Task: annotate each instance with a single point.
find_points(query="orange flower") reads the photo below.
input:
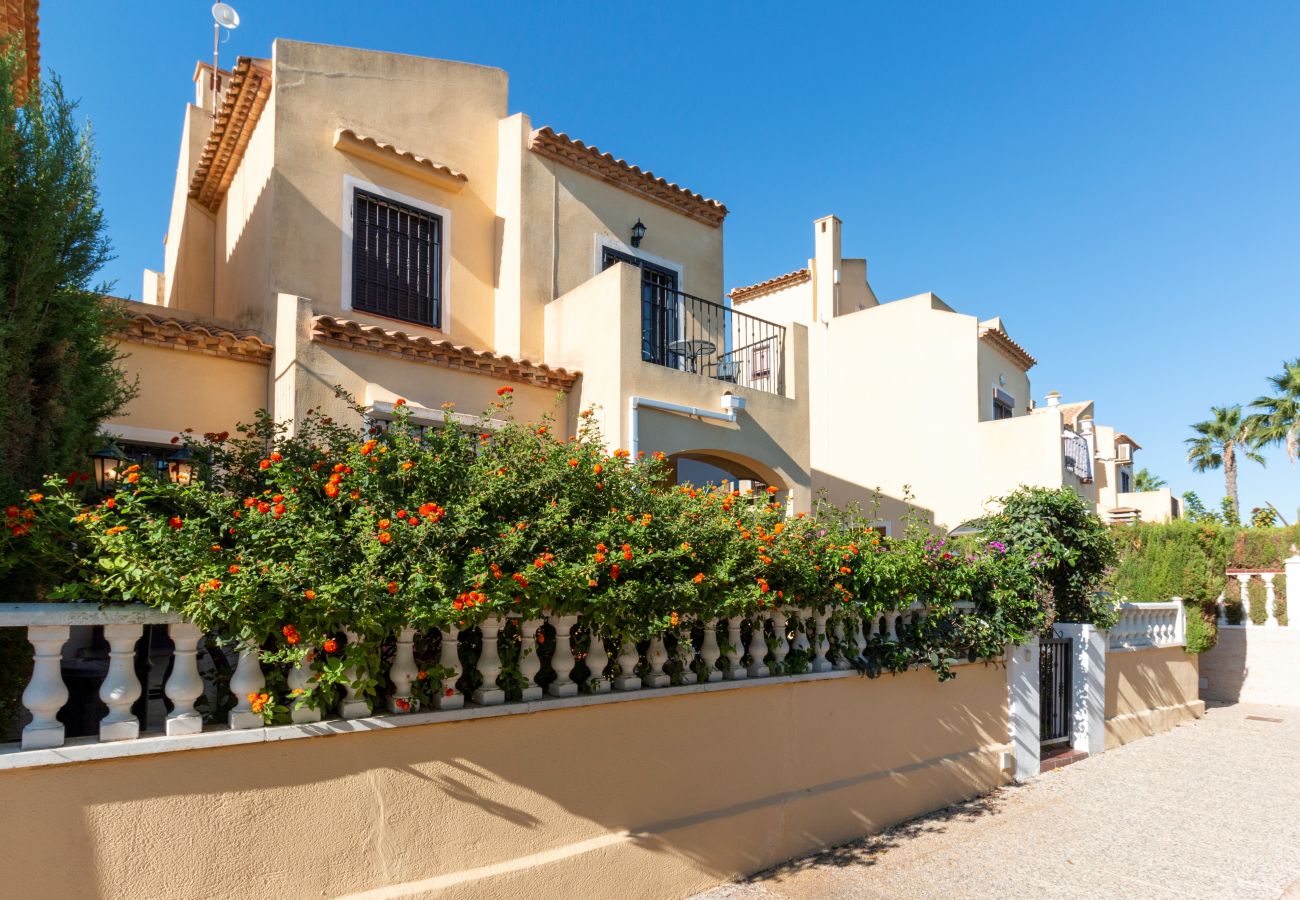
(523, 582)
(116, 529)
(384, 537)
(233, 570)
(573, 463)
(422, 675)
(599, 557)
(407, 466)
(502, 391)
(384, 524)
(845, 570)
(591, 582)
(263, 507)
(213, 584)
(133, 478)
(597, 468)
(613, 572)
(496, 570)
(772, 490)
(290, 634)
(762, 585)
(401, 514)
(674, 620)
(175, 522)
(12, 512)
(330, 645)
(331, 490)
(277, 510)
(264, 464)
(400, 401)
(275, 457)
(699, 577)
(392, 587)
(309, 594)
(35, 498)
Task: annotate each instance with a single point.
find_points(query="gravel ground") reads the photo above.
(1210, 809)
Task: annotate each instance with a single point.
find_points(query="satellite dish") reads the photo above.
(225, 15)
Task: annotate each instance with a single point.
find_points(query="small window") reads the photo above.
(1125, 482)
(760, 363)
(396, 260)
(1004, 405)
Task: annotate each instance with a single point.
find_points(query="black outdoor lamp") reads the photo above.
(107, 463)
(179, 467)
(638, 232)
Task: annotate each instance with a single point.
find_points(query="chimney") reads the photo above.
(1053, 398)
(826, 268)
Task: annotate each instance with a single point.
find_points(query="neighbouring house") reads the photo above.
(1118, 500)
(381, 223)
(912, 400)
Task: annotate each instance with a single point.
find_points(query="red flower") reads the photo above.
(449, 691)
(309, 594)
(275, 457)
(392, 587)
(330, 645)
(385, 537)
(233, 570)
(502, 391)
(264, 464)
(290, 634)
(401, 401)
(573, 463)
(331, 490)
(613, 572)
(175, 522)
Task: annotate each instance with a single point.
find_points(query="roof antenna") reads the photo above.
(223, 16)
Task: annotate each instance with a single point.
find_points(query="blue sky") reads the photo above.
(1118, 181)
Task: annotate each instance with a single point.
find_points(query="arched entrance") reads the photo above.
(730, 471)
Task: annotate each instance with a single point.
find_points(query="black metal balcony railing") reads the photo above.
(1077, 456)
(696, 335)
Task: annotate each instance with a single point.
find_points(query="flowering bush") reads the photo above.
(321, 545)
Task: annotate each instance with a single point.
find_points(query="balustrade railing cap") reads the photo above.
(21, 614)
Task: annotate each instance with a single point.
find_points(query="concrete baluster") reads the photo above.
(403, 672)
(820, 663)
(563, 662)
(1270, 598)
(628, 658)
(247, 680)
(841, 645)
(353, 704)
(735, 671)
(120, 688)
(46, 693)
(300, 676)
(489, 665)
(801, 632)
(185, 684)
(780, 626)
(449, 658)
(530, 664)
(1243, 580)
(710, 651)
(597, 660)
(657, 657)
(757, 649)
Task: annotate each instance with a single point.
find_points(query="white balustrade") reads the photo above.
(757, 650)
(801, 633)
(530, 665)
(1270, 598)
(597, 660)
(353, 705)
(780, 626)
(300, 678)
(735, 671)
(489, 666)
(246, 683)
(859, 639)
(1144, 625)
(121, 688)
(46, 693)
(841, 645)
(710, 652)
(563, 662)
(1243, 582)
(657, 657)
(891, 621)
(450, 696)
(628, 658)
(185, 686)
(819, 662)
(403, 672)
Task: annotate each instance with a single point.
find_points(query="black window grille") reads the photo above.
(396, 260)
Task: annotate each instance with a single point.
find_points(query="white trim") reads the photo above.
(424, 416)
(350, 184)
(613, 243)
(886, 524)
(134, 435)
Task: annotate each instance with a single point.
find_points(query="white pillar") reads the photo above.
(710, 651)
(185, 685)
(1243, 579)
(562, 662)
(819, 662)
(891, 623)
(780, 626)
(120, 688)
(403, 672)
(247, 679)
(46, 693)
(1088, 685)
(1292, 568)
(449, 697)
(757, 649)
(1222, 605)
(841, 645)
(353, 704)
(1023, 701)
(628, 658)
(530, 665)
(1270, 598)
(801, 634)
(656, 656)
(300, 677)
(489, 666)
(734, 670)
(597, 660)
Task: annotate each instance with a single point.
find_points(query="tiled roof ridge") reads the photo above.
(353, 335)
(572, 152)
(24, 16)
(1000, 339)
(146, 327)
(422, 161)
(750, 291)
(242, 103)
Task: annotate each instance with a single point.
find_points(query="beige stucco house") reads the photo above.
(380, 222)
(913, 399)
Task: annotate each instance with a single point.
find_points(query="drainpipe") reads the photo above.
(730, 402)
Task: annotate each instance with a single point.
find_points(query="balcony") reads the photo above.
(695, 335)
(1077, 455)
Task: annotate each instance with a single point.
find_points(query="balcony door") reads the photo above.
(660, 307)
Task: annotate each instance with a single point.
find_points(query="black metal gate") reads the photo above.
(1054, 689)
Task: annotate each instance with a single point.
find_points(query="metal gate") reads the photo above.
(1054, 689)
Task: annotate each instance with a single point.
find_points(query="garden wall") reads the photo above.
(1148, 691)
(656, 797)
(1253, 665)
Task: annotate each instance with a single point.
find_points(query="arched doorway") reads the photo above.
(730, 471)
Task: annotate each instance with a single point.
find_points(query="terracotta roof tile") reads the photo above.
(23, 17)
(242, 103)
(146, 327)
(374, 339)
(350, 141)
(1070, 412)
(998, 338)
(592, 161)
(780, 282)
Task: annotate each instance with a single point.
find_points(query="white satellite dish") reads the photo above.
(224, 14)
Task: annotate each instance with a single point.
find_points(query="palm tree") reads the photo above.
(1278, 419)
(1217, 443)
(1144, 480)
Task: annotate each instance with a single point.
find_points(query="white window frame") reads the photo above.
(351, 184)
(886, 524)
(613, 243)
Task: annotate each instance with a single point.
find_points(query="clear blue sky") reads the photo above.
(1119, 181)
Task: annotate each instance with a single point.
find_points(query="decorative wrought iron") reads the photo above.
(1078, 457)
(1055, 670)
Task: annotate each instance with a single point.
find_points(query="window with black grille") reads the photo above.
(396, 260)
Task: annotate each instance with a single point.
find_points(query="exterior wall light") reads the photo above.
(180, 470)
(638, 232)
(107, 463)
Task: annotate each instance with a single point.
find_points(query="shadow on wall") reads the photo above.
(664, 796)
(1224, 666)
(1144, 688)
(894, 509)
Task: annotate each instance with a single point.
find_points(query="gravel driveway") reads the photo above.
(1210, 809)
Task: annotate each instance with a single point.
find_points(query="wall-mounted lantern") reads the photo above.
(180, 468)
(638, 232)
(107, 463)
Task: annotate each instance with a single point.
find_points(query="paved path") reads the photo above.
(1210, 809)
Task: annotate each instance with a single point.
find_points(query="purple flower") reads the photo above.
(998, 546)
